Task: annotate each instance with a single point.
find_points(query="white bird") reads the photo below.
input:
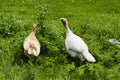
(31, 45)
(75, 45)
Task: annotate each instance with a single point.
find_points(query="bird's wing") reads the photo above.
(76, 54)
(76, 44)
(37, 46)
(26, 45)
(76, 48)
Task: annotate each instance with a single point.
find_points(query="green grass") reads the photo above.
(95, 21)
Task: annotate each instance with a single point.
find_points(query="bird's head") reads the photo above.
(64, 22)
(34, 25)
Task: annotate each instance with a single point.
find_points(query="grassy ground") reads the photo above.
(95, 21)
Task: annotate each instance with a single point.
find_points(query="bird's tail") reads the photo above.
(32, 50)
(88, 56)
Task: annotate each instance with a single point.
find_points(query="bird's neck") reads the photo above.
(33, 32)
(32, 35)
(33, 29)
(68, 31)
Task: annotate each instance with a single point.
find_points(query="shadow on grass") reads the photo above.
(20, 58)
(76, 60)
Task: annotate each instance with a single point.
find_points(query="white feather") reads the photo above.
(88, 56)
(26, 45)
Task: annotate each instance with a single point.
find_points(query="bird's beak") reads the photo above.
(60, 19)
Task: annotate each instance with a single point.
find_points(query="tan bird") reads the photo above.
(31, 45)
